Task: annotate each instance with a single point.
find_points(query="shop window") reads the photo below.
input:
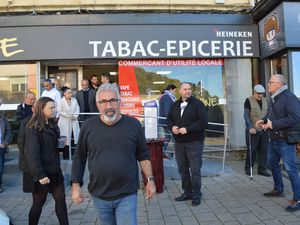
(144, 80)
(15, 81)
(15, 87)
(296, 73)
(279, 65)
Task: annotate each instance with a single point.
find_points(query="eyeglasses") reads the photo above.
(112, 101)
(272, 82)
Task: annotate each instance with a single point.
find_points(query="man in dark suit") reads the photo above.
(86, 100)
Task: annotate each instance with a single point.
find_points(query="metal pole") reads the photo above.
(69, 139)
(225, 147)
(250, 157)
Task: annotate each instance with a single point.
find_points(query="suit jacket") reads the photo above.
(92, 102)
(5, 131)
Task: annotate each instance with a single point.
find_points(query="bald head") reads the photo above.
(85, 84)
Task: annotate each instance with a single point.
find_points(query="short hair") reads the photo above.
(64, 89)
(171, 87)
(185, 83)
(108, 87)
(28, 93)
(107, 75)
(93, 76)
(47, 81)
(280, 78)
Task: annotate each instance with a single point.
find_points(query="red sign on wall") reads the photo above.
(130, 94)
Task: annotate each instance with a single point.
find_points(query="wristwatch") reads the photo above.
(150, 179)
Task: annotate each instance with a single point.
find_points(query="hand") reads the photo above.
(268, 125)
(259, 123)
(150, 189)
(175, 130)
(44, 181)
(182, 130)
(2, 146)
(252, 131)
(77, 193)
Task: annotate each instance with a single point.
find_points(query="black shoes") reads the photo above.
(264, 173)
(183, 197)
(273, 193)
(196, 201)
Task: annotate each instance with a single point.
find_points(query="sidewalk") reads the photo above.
(231, 198)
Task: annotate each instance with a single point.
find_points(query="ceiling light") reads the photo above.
(164, 72)
(159, 82)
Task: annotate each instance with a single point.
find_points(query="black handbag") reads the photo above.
(292, 137)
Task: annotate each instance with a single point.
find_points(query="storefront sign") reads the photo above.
(280, 29)
(7, 45)
(271, 32)
(129, 41)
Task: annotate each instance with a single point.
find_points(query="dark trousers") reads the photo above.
(189, 161)
(2, 159)
(259, 144)
(65, 149)
(39, 199)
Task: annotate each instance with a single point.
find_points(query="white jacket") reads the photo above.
(63, 108)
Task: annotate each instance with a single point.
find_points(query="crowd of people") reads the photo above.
(113, 143)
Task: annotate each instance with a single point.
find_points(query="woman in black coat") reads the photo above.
(41, 162)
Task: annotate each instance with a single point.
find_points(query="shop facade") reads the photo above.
(143, 53)
(280, 44)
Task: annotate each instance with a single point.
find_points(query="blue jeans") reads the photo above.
(280, 149)
(117, 212)
(2, 159)
(189, 161)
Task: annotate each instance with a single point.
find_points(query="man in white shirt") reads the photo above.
(50, 91)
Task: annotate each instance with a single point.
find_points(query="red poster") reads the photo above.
(130, 94)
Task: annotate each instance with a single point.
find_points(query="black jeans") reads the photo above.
(259, 144)
(189, 161)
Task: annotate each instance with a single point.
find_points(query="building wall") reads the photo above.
(10, 6)
(238, 88)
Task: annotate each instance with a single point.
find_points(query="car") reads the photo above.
(5, 219)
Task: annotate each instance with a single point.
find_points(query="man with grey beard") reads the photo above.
(112, 144)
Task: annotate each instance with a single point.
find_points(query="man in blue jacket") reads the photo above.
(187, 120)
(283, 114)
(166, 101)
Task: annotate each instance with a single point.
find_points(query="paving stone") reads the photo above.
(231, 199)
(246, 218)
